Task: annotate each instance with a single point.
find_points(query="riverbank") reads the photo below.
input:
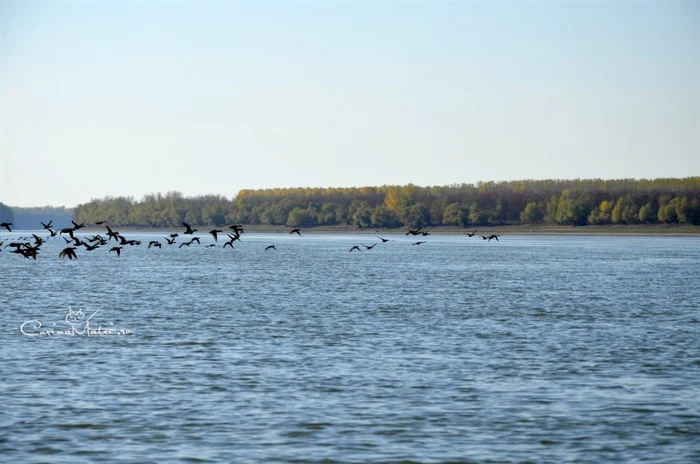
(515, 229)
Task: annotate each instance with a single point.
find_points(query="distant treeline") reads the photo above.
(6, 213)
(31, 218)
(566, 202)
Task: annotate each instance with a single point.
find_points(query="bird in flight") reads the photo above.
(214, 232)
(47, 226)
(297, 231)
(99, 223)
(236, 228)
(270, 247)
(112, 234)
(472, 234)
(370, 247)
(117, 249)
(89, 247)
(153, 243)
(170, 240)
(418, 243)
(414, 232)
(78, 226)
(69, 252)
(6, 225)
(189, 230)
(384, 240)
(355, 248)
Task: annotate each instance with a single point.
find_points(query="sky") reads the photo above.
(130, 98)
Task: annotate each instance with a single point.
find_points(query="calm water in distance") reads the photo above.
(532, 349)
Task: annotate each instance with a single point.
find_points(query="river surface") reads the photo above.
(530, 349)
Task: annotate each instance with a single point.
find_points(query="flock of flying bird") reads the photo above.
(31, 250)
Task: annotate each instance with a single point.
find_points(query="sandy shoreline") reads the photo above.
(665, 230)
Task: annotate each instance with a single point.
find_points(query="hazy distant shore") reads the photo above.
(524, 229)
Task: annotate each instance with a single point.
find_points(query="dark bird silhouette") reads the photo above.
(297, 231)
(214, 232)
(38, 240)
(117, 249)
(236, 228)
(384, 240)
(69, 252)
(174, 235)
(122, 240)
(47, 226)
(26, 250)
(370, 247)
(418, 243)
(99, 223)
(184, 244)
(153, 243)
(30, 252)
(210, 245)
(170, 240)
(270, 247)
(493, 236)
(484, 237)
(355, 248)
(229, 243)
(6, 225)
(89, 247)
(195, 239)
(52, 233)
(472, 234)
(425, 233)
(234, 237)
(112, 234)
(189, 230)
(78, 226)
(414, 232)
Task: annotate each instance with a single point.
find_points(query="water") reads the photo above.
(531, 349)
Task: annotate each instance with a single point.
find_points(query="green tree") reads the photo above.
(382, 217)
(625, 211)
(456, 215)
(499, 212)
(647, 214)
(299, 217)
(601, 214)
(477, 216)
(362, 214)
(417, 215)
(533, 213)
(551, 211)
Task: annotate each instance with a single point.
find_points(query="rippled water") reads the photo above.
(539, 349)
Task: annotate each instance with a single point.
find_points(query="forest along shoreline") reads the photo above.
(651, 230)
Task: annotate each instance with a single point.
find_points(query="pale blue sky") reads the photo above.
(130, 98)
